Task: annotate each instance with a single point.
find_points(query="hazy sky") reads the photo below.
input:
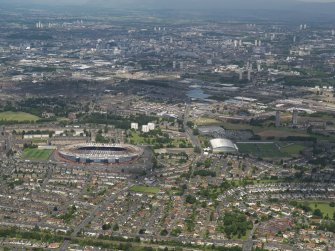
(139, 1)
(175, 4)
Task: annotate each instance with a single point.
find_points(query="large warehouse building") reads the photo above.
(100, 153)
(221, 145)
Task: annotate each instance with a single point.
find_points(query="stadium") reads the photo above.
(100, 153)
(220, 145)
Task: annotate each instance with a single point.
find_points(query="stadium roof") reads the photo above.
(223, 145)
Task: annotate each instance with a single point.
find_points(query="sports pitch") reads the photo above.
(37, 154)
(261, 150)
(145, 189)
(18, 116)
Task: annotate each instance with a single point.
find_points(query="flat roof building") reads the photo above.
(145, 128)
(134, 126)
(151, 126)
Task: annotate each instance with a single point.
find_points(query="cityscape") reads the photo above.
(146, 130)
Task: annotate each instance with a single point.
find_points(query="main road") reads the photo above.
(194, 139)
(249, 242)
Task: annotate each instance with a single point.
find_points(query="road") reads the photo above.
(249, 242)
(194, 139)
(91, 216)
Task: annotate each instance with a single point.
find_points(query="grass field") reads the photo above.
(293, 149)
(62, 119)
(37, 141)
(36, 154)
(264, 131)
(261, 150)
(18, 116)
(144, 189)
(136, 138)
(323, 206)
(278, 132)
(243, 238)
(206, 121)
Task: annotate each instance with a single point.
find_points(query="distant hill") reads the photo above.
(215, 4)
(185, 4)
(291, 9)
(277, 9)
(193, 4)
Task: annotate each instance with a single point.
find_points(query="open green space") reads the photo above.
(261, 150)
(37, 154)
(136, 138)
(270, 150)
(37, 140)
(265, 131)
(278, 132)
(235, 225)
(63, 119)
(324, 207)
(206, 121)
(158, 140)
(243, 237)
(292, 149)
(268, 181)
(144, 189)
(18, 116)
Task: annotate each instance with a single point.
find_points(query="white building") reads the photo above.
(145, 128)
(151, 126)
(134, 126)
(223, 146)
(36, 136)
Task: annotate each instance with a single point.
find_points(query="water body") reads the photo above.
(197, 93)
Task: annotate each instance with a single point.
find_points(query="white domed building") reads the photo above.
(221, 145)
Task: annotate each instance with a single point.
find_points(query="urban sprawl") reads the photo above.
(132, 132)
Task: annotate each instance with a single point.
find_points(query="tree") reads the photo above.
(234, 224)
(106, 226)
(190, 124)
(176, 231)
(164, 232)
(101, 139)
(317, 213)
(190, 199)
(116, 227)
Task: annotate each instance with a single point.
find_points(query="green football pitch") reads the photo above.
(37, 154)
(18, 116)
